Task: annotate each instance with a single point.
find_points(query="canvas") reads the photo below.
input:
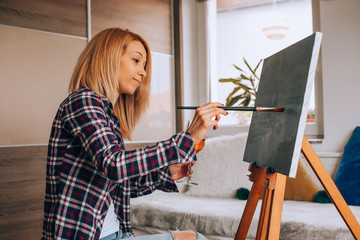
(287, 79)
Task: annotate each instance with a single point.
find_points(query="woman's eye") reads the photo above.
(136, 60)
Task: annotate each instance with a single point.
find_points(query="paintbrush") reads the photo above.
(253, 109)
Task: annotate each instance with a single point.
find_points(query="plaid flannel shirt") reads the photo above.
(88, 166)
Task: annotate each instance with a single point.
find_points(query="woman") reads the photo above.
(90, 176)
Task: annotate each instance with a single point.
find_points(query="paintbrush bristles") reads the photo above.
(279, 109)
(270, 109)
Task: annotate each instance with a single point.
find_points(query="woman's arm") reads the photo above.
(85, 118)
(158, 180)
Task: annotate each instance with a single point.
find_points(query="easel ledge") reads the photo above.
(274, 186)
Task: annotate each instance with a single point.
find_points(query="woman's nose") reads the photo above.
(142, 73)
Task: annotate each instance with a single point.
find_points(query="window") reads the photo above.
(254, 33)
(223, 37)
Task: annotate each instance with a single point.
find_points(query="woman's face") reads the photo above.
(132, 67)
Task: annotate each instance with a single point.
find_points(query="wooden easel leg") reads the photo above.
(271, 210)
(276, 207)
(258, 177)
(264, 213)
(330, 188)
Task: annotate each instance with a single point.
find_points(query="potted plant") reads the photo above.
(245, 90)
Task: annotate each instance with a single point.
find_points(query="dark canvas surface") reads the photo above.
(286, 80)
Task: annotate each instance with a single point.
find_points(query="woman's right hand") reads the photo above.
(205, 116)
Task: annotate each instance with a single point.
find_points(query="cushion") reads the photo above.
(302, 187)
(347, 176)
(220, 170)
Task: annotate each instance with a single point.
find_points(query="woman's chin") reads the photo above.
(129, 91)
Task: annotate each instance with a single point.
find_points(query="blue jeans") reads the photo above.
(163, 236)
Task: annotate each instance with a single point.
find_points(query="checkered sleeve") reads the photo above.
(162, 179)
(84, 117)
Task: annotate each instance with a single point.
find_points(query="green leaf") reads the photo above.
(237, 68)
(252, 80)
(256, 70)
(233, 100)
(252, 71)
(246, 88)
(244, 77)
(247, 100)
(232, 93)
(248, 95)
(257, 66)
(233, 80)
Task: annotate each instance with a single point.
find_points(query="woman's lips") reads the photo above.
(138, 81)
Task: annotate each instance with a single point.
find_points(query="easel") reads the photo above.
(274, 186)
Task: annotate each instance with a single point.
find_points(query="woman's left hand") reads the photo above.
(180, 170)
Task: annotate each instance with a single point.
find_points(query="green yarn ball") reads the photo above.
(242, 193)
(321, 197)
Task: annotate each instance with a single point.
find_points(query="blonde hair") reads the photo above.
(98, 69)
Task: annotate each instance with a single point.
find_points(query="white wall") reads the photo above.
(339, 22)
